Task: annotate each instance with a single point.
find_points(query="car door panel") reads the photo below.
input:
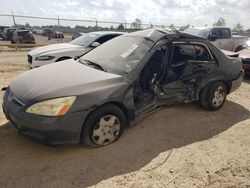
(182, 80)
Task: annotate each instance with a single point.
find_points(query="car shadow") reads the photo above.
(246, 79)
(23, 160)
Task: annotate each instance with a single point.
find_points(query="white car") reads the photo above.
(58, 52)
(222, 37)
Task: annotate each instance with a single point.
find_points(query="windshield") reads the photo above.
(84, 40)
(119, 55)
(198, 32)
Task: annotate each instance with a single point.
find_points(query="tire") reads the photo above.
(213, 96)
(203, 97)
(103, 126)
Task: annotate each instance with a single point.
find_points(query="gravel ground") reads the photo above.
(178, 146)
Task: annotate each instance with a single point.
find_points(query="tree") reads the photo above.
(137, 24)
(27, 25)
(220, 22)
(182, 28)
(111, 27)
(238, 27)
(120, 27)
(171, 26)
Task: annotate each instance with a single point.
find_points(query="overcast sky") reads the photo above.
(166, 12)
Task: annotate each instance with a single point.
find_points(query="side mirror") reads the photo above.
(212, 37)
(95, 44)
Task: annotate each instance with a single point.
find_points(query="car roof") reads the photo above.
(24, 30)
(156, 34)
(107, 32)
(9, 29)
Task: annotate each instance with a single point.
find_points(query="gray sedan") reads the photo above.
(94, 98)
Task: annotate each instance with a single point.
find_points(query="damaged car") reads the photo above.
(92, 99)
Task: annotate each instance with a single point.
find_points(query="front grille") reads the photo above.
(30, 59)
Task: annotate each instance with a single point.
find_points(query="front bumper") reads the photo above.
(49, 130)
(237, 82)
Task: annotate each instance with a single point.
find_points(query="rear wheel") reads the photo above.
(104, 126)
(213, 96)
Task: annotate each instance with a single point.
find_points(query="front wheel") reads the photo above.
(213, 96)
(103, 126)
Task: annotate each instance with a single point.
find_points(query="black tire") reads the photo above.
(93, 120)
(207, 96)
(203, 97)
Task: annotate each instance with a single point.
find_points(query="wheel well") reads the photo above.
(63, 58)
(120, 105)
(227, 83)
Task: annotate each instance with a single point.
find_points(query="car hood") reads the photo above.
(244, 53)
(68, 78)
(53, 48)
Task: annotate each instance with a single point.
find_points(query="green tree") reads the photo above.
(120, 27)
(238, 27)
(171, 26)
(137, 24)
(182, 28)
(27, 25)
(220, 22)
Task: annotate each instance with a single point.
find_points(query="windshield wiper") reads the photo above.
(92, 64)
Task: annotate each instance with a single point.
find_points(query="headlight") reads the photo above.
(45, 58)
(52, 107)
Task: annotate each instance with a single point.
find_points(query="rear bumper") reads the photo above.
(48, 130)
(237, 82)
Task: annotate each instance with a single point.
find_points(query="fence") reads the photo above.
(65, 24)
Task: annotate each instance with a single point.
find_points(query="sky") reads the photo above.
(162, 12)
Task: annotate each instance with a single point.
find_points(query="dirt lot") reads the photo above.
(179, 146)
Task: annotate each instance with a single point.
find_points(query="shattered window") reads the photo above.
(185, 52)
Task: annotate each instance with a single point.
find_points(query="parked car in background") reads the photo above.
(37, 32)
(221, 37)
(23, 37)
(92, 99)
(76, 35)
(8, 33)
(47, 32)
(1, 30)
(245, 56)
(57, 35)
(58, 52)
